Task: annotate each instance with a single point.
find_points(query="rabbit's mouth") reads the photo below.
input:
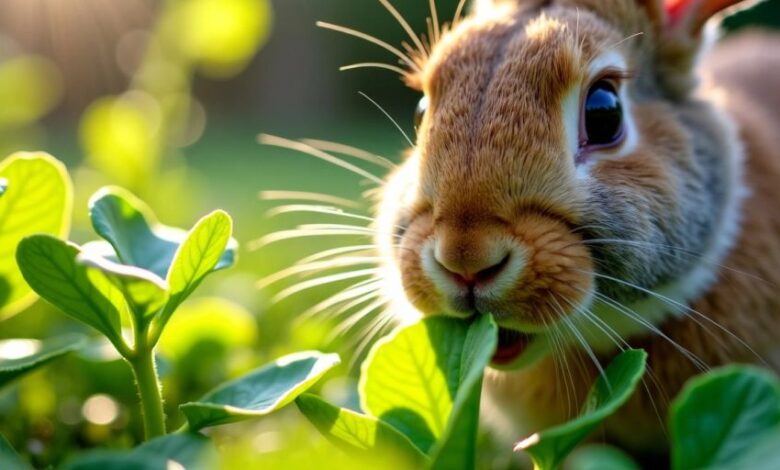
(511, 344)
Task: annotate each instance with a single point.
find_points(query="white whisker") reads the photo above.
(676, 250)
(350, 151)
(380, 323)
(695, 360)
(354, 319)
(305, 285)
(458, 12)
(307, 196)
(367, 37)
(314, 267)
(373, 65)
(435, 21)
(283, 235)
(364, 249)
(309, 150)
(327, 210)
(395, 123)
(635, 35)
(690, 311)
(404, 24)
(345, 300)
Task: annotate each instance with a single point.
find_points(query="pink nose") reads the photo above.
(471, 262)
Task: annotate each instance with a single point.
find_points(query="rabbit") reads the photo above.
(596, 175)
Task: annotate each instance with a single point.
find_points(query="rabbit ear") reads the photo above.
(691, 15)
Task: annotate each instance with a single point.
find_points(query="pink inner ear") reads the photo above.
(675, 9)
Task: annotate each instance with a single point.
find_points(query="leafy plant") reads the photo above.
(611, 390)
(726, 419)
(36, 198)
(420, 394)
(419, 391)
(181, 450)
(139, 276)
(46, 352)
(9, 460)
(261, 392)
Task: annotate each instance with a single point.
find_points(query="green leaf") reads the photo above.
(9, 459)
(37, 198)
(46, 351)
(50, 267)
(143, 290)
(138, 239)
(720, 415)
(191, 451)
(198, 256)
(260, 392)
(458, 444)
(410, 380)
(600, 457)
(355, 432)
(612, 389)
(764, 454)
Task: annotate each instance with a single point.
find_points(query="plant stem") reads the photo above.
(149, 390)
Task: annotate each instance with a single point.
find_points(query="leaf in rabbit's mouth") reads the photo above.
(511, 344)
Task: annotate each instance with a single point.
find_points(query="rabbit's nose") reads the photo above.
(472, 263)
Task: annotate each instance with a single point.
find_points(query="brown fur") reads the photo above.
(491, 170)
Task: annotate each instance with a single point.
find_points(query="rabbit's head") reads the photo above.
(563, 169)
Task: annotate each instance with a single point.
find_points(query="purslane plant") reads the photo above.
(35, 196)
(419, 399)
(132, 281)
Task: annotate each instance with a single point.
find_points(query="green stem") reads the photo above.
(149, 390)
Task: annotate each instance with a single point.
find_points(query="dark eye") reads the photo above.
(603, 114)
(419, 113)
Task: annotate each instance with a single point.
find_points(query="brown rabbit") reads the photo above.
(581, 176)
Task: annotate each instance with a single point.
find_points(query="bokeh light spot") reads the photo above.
(100, 409)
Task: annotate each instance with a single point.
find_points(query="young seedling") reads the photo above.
(135, 278)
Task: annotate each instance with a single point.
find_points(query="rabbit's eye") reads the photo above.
(419, 113)
(603, 115)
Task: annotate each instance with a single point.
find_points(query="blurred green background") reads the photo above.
(167, 98)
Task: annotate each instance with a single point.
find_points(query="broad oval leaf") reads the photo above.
(190, 451)
(202, 251)
(143, 290)
(355, 432)
(138, 239)
(9, 459)
(600, 457)
(720, 415)
(42, 353)
(38, 199)
(260, 392)
(612, 389)
(763, 454)
(410, 380)
(458, 444)
(50, 267)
